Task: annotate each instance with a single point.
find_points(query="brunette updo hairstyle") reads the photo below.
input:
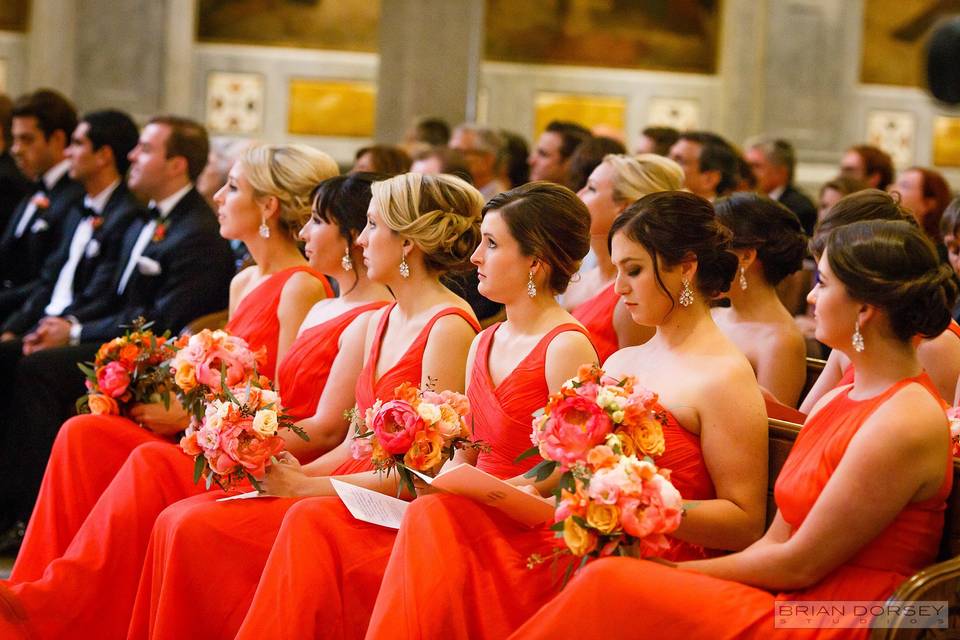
(343, 201)
(440, 214)
(550, 223)
(868, 204)
(757, 222)
(894, 266)
(672, 225)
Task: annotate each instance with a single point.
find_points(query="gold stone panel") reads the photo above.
(331, 108)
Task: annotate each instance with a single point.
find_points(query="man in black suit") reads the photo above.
(42, 124)
(13, 184)
(79, 275)
(773, 162)
(174, 267)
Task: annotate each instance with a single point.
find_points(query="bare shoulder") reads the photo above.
(453, 328)
(620, 361)
(240, 281)
(303, 283)
(571, 346)
(910, 416)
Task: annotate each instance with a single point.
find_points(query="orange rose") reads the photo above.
(580, 541)
(647, 435)
(426, 452)
(186, 377)
(129, 354)
(103, 405)
(408, 393)
(605, 518)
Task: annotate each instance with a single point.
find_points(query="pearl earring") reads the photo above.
(531, 287)
(686, 295)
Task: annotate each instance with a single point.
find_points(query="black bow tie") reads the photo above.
(90, 213)
(153, 213)
(39, 186)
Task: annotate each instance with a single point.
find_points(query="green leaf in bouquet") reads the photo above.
(83, 404)
(253, 481)
(88, 370)
(210, 480)
(297, 429)
(568, 482)
(198, 466)
(557, 526)
(542, 471)
(165, 399)
(532, 451)
(405, 480)
(580, 521)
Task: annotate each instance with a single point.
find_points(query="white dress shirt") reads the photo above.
(50, 178)
(62, 296)
(146, 234)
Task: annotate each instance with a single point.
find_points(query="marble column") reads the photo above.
(430, 54)
(51, 45)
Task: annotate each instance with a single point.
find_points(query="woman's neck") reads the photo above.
(274, 254)
(598, 244)
(682, 323)
(759, 301)
(421, 291)
(356, 288)
(884, 362)
(527, 315)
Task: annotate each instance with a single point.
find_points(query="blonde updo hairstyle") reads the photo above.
(440, 214)
(637, 176)
(289, 173)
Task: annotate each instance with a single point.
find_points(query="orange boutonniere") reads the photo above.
(160, 232)
(40, 201)
(97, 222)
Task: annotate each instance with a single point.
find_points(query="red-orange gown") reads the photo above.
(90, 589)
(89, 450)
(175, 599)
(624, 598)
(596, 314)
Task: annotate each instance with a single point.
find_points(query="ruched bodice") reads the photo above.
(502, 415)
(255, 318)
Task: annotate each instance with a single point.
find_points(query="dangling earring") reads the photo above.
(345, 262)
(264, 229)
(743, 279)
(857, 340)
(404, 268)
(531, 287)
(686, 295)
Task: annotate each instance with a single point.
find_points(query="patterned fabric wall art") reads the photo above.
(235, 102)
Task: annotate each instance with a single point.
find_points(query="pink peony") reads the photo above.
(361, 449)
(113, 379)
(575, 426)
(395, 425)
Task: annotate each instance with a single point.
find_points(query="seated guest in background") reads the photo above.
(42, 124)
(709, 163)
(550, 159)
(924, 193)
(514, 152)
(13, 184)
(832, 191)
(80, 273)
(773, 162)
(434, 160)
(426, 132)
(868, 163)
(480, 147)
(746, 180)
(381, 158)
(939, 355)
(950, 229)
(860, 498)
(615, 184)
(587, 156)
(174, 267)
(770, 245)
(657, 140)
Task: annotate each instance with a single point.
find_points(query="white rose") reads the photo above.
(429, 412)
(265, 422)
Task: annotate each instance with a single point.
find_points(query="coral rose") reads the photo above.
(426, 452)
(113, 379)
(189, 444)
(254, 453)
(395, 425)
(575, 426)
(103, 405)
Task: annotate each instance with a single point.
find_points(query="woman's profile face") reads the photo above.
(636, 282)
(835, 312)
(382, 248)
(597, 194)
(238, 212)
(323, 244)
(503, 271)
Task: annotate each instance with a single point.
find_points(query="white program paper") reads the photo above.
(370, 506)
(471, 482)
(245, 496)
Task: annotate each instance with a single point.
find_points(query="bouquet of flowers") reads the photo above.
(953, 413)
(133, 368)
(210, 362)
(237, 435)
(612, 499)
(419, 429)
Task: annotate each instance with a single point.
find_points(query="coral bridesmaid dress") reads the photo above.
(174, 598)
(621, 597)
(329, 586)
(90, 449)
(92, 586)
(596, 314)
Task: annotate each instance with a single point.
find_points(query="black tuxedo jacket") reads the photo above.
(13, 187)
(802, 206)
(21, 259)
(181, 277)
(93, 278)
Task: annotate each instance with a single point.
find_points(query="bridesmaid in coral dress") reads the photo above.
(861, 499)
(507, 382)
(939, 355)
(616, 182)
(107, 553)
(460, 571)
(420, 338)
